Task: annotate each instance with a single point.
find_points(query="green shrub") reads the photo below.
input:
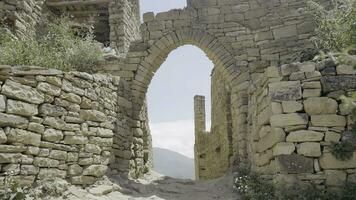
(342, 150)
(335, 28)
(57, 46)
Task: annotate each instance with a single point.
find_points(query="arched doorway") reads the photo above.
(185, 73)
(225, 66)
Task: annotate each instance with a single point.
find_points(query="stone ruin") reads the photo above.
(272, 111)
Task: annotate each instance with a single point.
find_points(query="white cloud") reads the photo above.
(177, 136)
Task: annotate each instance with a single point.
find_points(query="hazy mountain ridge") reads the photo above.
(173, 164)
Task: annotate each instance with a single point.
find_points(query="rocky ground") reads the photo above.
(153, 187)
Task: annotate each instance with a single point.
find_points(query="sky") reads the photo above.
(184, 74)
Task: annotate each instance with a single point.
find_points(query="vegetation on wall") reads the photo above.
(335, 28)
(336, 37)
(56, 46)
(252, 187)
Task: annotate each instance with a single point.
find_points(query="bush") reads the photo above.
(58, 46)
(335, 28)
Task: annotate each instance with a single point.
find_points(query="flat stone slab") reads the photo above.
(335, 83)
(295, 164)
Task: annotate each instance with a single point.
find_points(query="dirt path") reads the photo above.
(155, 187)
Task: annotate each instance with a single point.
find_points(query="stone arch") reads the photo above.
(158, 52)
(230, 68)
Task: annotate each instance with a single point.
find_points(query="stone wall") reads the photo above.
(240, 37)
(21, 16)
(124, 23)
(69, 125)
(295, 116)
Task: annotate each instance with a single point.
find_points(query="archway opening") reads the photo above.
(184, 74)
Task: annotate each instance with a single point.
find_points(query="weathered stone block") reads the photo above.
(29, 170)
(51, 110)
(295, 164)
(13, 121)
(92, 148)
(75, 139)
(2, 103)
(75, 169)
(292, 119)
(72, 157)
(148, 16)
(52, 135)
(3, 138)
(309, 149)
(264, 117)
(83, 180)
(92, 115)
(320, 105)
(49, 89)
(12, 149)
(291, 106)
(85, 161)
(262, 159)
(21, 108)
(312, 85)
(328, 161)
(335, 177)
(51, 173)
(72, 97)
(275, 136)
(45, 162)
(305, 136)
(285, 31)
(24, 137)
(283, 148)
(10, 158)
(264, 131)
(332, 137)
(58, 155)
(311, 93)
(288, 69)
(285, 90)
(102, 132)
(335, 83)
(22, 92)
(351, 178)
(105, 142)
(95, 170)
(345, 69)
(36, 127)
(328, 120)
(276, 108)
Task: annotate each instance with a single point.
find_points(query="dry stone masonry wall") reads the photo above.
(67, 125)
(296, 114)
(21, 16)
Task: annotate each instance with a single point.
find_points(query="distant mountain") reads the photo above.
(173, 164)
